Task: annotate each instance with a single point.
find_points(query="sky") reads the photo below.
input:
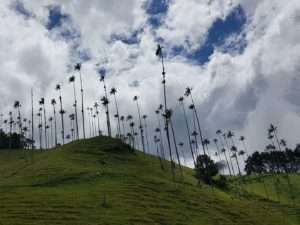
(241, 57)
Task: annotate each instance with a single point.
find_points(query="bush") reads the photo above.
(221, 182)
(205, 169)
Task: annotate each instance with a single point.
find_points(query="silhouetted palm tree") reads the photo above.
(233, 148)
(160, 54)
(135, 98)
(181, 144)
(53, 103)
(17, 106)
(98, 118)
(132, 135)
(188, 92)
(113, 92)
(223, 150)
(206, 142)
(78, 68)
(162, 150)
(181, 102)
(227, 145)
(156, 142)
(61, 112)
(146, 132)
(72, 118)
(90, 123)
(51, 131)
(42, 104)
(242, 139)
(72, 80)
(40, 126)
(122, 118)
(105, 102)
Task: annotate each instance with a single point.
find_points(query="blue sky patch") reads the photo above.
(56, 17)
(19, 7)
(156, 10)
(217, 35)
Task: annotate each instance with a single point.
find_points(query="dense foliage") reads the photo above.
(13, 141)
(205, 169)
(287, 161)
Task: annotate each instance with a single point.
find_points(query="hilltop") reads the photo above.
(101, 181)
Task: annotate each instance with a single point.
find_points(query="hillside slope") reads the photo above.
(100, 181)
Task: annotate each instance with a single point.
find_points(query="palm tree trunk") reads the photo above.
(229, 156)
(117, 109)
(82, 105)
(45, 125)
(176, 149)
(62, 119)
(198, 122)
(227, 162)
(55, 125)
(188, 133)
(236, 158)
(147, 138)
(141, 127)
(76, 115)
(32, 121)
(107, 112)
(162, 149)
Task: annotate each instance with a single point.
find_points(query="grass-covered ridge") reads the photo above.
(100, 181)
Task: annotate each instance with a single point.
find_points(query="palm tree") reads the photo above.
(61, 112)
(206, 143)
(89, 118)
(188, 92)
(53, 103)
(242, 139)
(195, 134)
(78, 68)
(17, 106)
(122, 118)
(72, 118)
(42, 104)
(156, 142)
(227, 145)
(160, 54)
(146, 132)
(96, 105)
(181, 102)
(132, 135)
(40, 126)
(169, 114)
(160, 133)
(230, 135)
(105, 102)
(181, 144)
(72, 80)
(32, 121)
(135, 98)
(51, 131)
(113, 92)
(223, 150)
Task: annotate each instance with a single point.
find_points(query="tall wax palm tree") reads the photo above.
(40, 126)
(17, 106)
(135, 98)
(156, 142)
(181, 144)
(113, 92)
(233, 149)
(42, 104)
(122, 118)
(223, 150)
(78, 68)
(227, 145)
(10, 128)
(96, 106)
(146, 132)
(51, 131)
(72, 80)
(169, 114)
(188, 92)
(32, 121)
(132, 135)
(89, 119)
(181, 102)
(94, 127)
(242, 139)
(105, 102)
(194, 134)
(53, 103)
(158, 112)
(206, 143)
(72, 119)
(61, 112)
(159, 53)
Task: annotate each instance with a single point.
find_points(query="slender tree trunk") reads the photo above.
(176, 149)
(147, 138)
(236, 158)
(199, 127)
(32, 121)
(229, 156)
(90, 126)
(62, 119)
(162, 150)
(82, 105)
(227, 162)
(141, 126)
(188, 133)
(117, 109)
(107, 112)
(76, 115)
(45, 125)
(55, 125)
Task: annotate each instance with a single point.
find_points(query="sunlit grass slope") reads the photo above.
(100, 181)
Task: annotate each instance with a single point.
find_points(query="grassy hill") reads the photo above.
(100, 181)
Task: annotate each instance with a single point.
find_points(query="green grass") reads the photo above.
(100, 181)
